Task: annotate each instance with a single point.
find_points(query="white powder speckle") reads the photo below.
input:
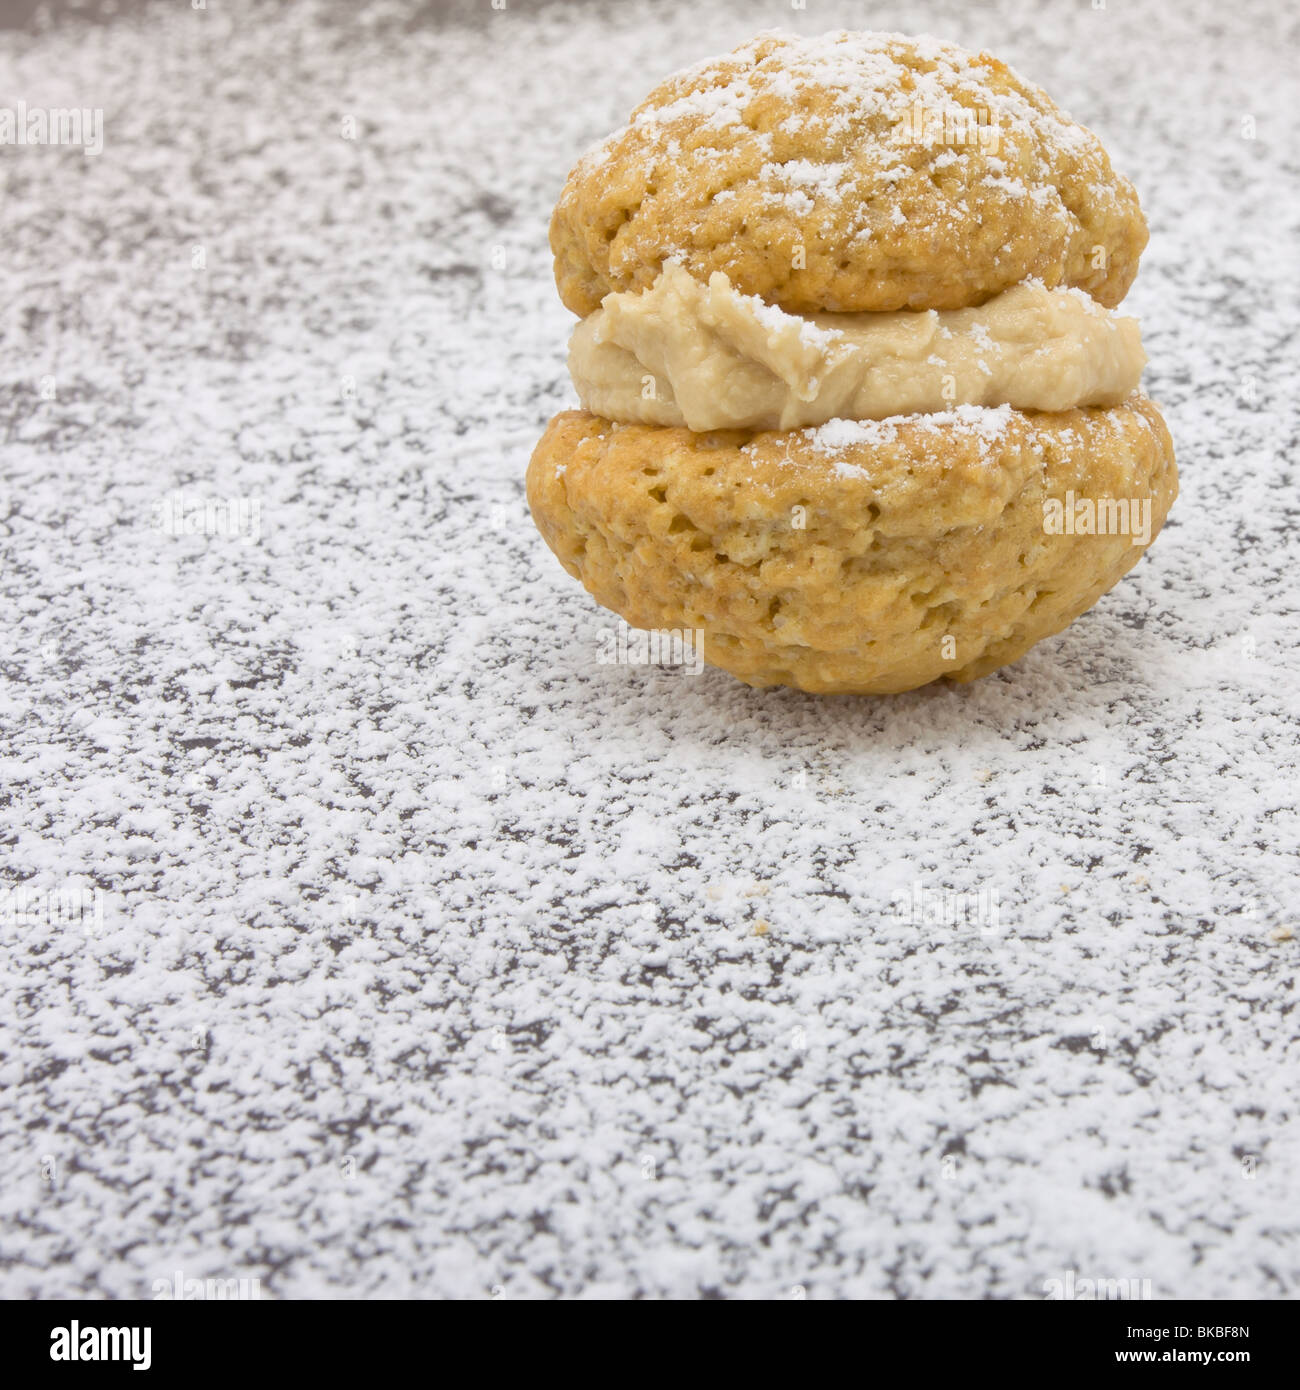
(825, 182)
(835, 435)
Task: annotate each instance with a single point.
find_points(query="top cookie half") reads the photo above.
(850, 172)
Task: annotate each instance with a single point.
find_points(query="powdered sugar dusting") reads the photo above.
(816, 181)
(837, 435)
(873, 84)
(777, 321)
(989, 424)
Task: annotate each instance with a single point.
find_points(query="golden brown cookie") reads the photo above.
(858, 557)
(849, 172)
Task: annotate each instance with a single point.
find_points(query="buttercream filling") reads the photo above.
(710, 358)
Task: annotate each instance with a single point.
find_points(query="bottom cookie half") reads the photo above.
(857, 558)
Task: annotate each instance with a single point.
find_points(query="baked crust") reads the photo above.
(796, 148)
(839, 559)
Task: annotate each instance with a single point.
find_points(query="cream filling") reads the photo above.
(709, 358)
